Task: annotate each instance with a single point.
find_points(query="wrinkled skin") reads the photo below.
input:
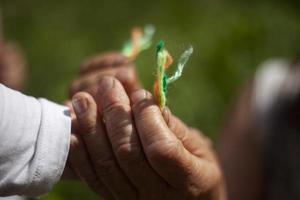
(108, 64)
(125, 147)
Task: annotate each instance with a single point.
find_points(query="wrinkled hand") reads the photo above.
(106, 64)
(90, 73)
(134, 151)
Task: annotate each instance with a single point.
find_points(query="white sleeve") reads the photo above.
(268, 83)
(34, 143)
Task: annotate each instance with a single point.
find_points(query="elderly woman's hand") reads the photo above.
(106, 64)
(138, 152)
(90, 73)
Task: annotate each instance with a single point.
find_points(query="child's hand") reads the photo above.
(136, 152)
(107, 64)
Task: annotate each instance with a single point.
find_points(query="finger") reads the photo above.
(165, 152)
(116, 111)
(99, 148)
(194, 141)
(89, 82)
(74, 126)
(175, 125)
(81, 164)
(129, 80)
(107, 60)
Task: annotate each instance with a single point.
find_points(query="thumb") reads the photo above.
(192, 139)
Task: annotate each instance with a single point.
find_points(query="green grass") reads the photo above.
(230, 39)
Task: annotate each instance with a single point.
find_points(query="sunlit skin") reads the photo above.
(125, 147)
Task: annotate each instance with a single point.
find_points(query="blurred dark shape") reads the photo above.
(282, 140)
(260, 143)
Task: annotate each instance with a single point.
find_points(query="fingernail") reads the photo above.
(166, 111)
(105, 84)
(80, 105)
(139, 95)
(166, 114)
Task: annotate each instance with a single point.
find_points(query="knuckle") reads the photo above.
(117, 116)
(120, 133)
(129, 153)
(116, 97)
(145, 106)
(121, 127)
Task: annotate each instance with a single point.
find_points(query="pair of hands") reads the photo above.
(125, 147)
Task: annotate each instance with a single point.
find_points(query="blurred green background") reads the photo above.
(230, 39)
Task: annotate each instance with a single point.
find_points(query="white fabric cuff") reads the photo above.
(51, 149)
(34, 143)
